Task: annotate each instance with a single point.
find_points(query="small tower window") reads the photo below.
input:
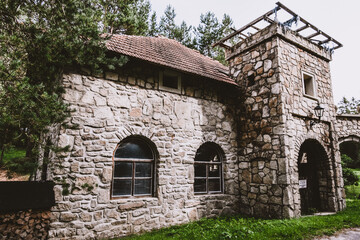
(309, 84)
(170, 81)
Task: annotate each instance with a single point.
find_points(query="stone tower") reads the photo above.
(289, 161)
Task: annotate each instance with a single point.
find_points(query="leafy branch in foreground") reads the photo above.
(38, 41)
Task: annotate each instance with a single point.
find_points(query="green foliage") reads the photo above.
(209, 31)
(346, 106)
(250, 228)
(346, 161)
(353, 191)
(350, 178)
(127, 17)
(38, 41)
(168, 28)
(14, 161)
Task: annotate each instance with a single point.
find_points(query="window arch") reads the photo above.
(133, 168)
(208, 169)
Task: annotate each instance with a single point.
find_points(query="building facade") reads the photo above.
(174, 136)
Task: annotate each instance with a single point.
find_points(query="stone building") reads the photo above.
(174, 136)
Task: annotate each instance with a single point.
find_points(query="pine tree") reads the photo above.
(209, 31)
(351, 106)
(128, 17)
(169, 29)
(153, 26)
(38, 41)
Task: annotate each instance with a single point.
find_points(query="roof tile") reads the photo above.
(170, 53)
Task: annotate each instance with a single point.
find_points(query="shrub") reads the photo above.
(350, 178)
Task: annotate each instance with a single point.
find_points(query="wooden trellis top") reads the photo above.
(292, 21)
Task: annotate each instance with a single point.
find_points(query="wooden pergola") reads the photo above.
(293, 22)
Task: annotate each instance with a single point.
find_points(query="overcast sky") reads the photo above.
(339, 19)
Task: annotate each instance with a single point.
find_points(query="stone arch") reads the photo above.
(350, 138)
(300, 140)
(314, 171)
(128, 130)
(350, 145)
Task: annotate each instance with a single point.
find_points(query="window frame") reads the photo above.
(173, 74)
(133, 177)
(221, 157)
(314, 84)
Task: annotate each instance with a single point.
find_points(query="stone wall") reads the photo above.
(30, 224)
(262, 170)
(122, 104)
(275, 120)
(299, 113)
(347, 127)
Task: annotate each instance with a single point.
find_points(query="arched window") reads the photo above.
(208, 169)
(133, 171)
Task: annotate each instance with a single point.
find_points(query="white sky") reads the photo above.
(339, 19)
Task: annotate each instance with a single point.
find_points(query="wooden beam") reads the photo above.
(256, 28)
(224, 46)
(246, 26)
(302, 28)
(244, 35)
(268, 19)
(313, 35)
(325, 41)
(307, 23)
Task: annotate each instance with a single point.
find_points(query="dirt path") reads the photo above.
(346, 234)
(15, 177)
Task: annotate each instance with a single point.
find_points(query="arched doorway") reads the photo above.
(351, 147)
(314, 182)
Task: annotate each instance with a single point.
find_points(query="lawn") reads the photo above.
(14, 166)
(250, 228)
(353, 191)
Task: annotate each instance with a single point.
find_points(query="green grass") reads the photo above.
(353, 191)
(13, 153)
(250, 228)
(14, 161)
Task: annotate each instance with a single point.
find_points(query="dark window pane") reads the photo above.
(123, 169)
(143, 169)
(134, 149)
(142, 186)
(200, 185)
(170, 81)
(200, 170)
(214, 170)
(121, 187)
(207, 152)
(214, 185)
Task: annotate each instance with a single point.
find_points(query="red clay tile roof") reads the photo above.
(169, 53)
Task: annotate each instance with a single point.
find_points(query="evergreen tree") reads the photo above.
(153, 26)
(38, 40)
(167, 26)
(351, 106)
(128, 17)
(169, 29)
(209, 31)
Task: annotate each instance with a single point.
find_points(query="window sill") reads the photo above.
(209, 194)
(127, 198)
(172, 90)
(311, 97)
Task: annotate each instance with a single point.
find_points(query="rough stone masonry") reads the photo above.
(263, 126)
